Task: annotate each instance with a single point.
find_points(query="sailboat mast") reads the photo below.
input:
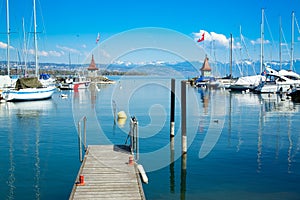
(262, 40)
(35, 40)
(242, 67)
(292, 42)
(280, 41)
(8, 37)
(69, 59)
(230, 56)
(25, 48)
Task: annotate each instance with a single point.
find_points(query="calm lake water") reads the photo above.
(240, 146)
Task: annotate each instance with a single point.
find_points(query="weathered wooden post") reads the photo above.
(183, 118)
(183, 140)
(172, 114)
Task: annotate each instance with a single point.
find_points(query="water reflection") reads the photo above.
(30, 109)
(172, 170)
(214, 113)
(275, 103)
(205, 97)
(262, 125)
(85, 102)
(183, 177)
(11, 178)
(28, 115)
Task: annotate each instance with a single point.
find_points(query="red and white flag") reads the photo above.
(98, 38)
(201, 39)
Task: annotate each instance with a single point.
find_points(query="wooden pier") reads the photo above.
(108, 174)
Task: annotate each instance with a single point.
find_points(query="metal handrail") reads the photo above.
(80, 137)
(133, 134)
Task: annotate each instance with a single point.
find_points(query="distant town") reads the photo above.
(59, 69)
(189, 69)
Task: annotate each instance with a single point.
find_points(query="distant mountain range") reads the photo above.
(160, 68)
(191, 69)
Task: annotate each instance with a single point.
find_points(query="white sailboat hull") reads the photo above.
(276, 87)
(28, 94)
(278, 81)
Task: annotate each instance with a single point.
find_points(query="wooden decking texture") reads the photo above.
(108, 175)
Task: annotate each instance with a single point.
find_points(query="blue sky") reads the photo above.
(71, 27)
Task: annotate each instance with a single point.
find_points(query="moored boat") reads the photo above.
(75, 83)
(28, 89)
(278, 81)
(247, 83)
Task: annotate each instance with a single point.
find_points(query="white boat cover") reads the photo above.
(5, 81)
(250, 80)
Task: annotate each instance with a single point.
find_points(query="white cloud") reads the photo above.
(83, 46)
(45, 53)
(55, 53)
(4, 46)
(219, 39)
(68, 49)
(258, 41)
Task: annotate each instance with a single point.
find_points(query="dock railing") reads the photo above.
(80, 127)
(133, 134)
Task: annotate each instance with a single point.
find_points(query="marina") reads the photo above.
(156, 102)
(256, 142)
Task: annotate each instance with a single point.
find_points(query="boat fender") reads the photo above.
(142, 173)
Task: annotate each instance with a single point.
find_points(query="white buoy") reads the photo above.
(142, 173)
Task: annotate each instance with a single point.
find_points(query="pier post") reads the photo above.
(183, 118)
(172, 170)
(172, 114)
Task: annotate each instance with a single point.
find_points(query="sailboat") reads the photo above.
(295, 94)
(29, 89)
(5, 80)
(281, 81)
(249, 83)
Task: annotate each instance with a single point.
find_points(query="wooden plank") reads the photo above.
(107, 175)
